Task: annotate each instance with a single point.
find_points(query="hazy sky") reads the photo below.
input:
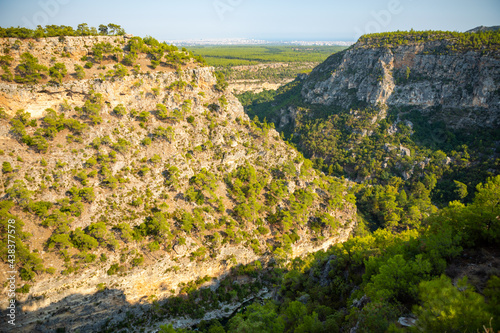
(259, 19)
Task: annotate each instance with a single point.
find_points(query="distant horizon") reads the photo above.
(286, 40)
(270, 39)
(250, 42)
(261, 41)
(256, 41)
(279, 20)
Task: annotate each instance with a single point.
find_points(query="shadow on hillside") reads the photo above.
(109, 310)
(83, 312)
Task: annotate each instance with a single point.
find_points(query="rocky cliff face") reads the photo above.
(464, 85)
(164, 143)
(255, 86)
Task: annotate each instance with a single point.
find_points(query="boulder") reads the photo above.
(407, 321)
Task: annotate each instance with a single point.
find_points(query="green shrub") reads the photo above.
(164, 133)
(29, 69)
(143, 171)
(138, 260)
(120, 70)
(161, 111)
(156, 225)
(19, 192)
(82, 241)
(377, 316)
(446, 308)
(130, 58)
(154, 246)
(121, 145)
(144, 116)
(27, 274)
(60, 241)
(50, 270)
(137, 202)
(113, 269)
(98, 231)
(79, 72)
(87, 194)
(110, 182)
(40, 208)
(120, 110)
(264, 318)
(198, 254)
(7, 167)
(221, 84)
(399, 279)
(58, 72)
(263, 230)
(25, 289)
(155, 159)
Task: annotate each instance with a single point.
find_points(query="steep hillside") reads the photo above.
(131, 189)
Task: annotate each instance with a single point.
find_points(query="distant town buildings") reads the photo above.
(245, 41)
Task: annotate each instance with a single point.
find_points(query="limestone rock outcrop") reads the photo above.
(461, 88)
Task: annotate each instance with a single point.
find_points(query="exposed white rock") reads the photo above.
(407, 321)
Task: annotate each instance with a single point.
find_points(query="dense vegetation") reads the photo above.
(228, 56)
(488, 41)
(373, 279)
(62, 30)
(367, 282)
(267, 63)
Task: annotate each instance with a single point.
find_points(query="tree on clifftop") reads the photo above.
(103, 29)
